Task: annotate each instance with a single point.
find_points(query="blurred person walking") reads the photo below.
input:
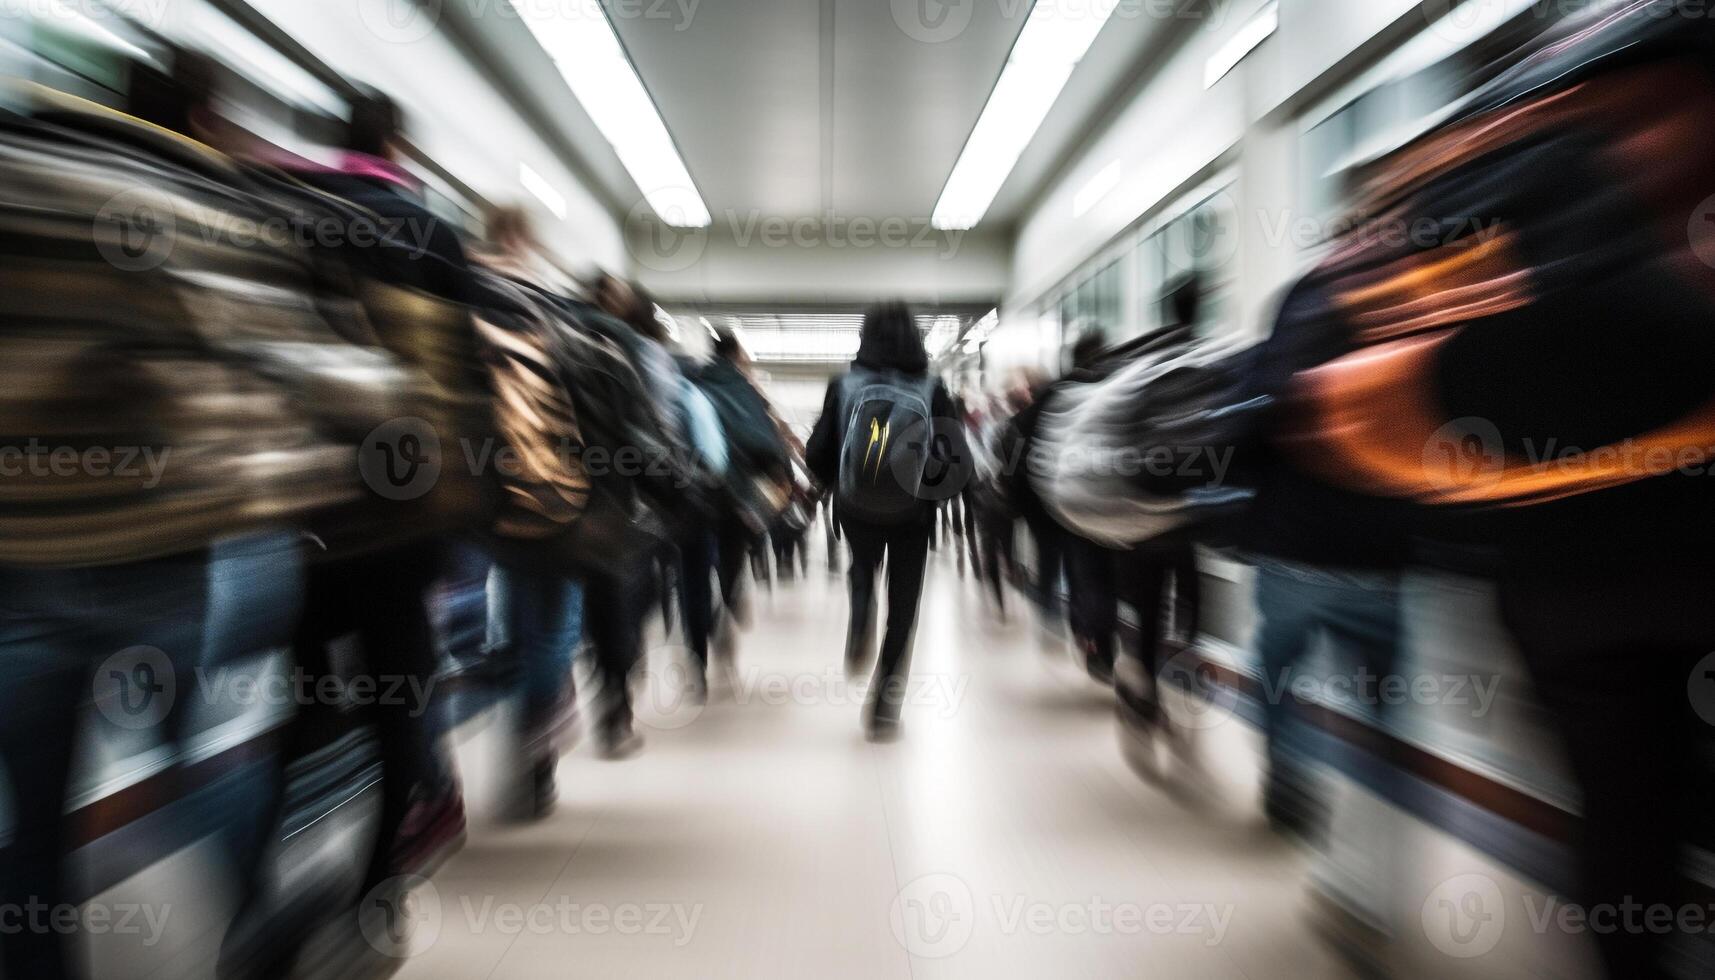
(618, 596)
(756, 481)
(1161, 575)
(888, 436)
(377, 584)
(536, 614)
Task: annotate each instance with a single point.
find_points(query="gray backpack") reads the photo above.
(887, 445)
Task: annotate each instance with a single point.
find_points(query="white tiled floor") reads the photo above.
(1004, 836)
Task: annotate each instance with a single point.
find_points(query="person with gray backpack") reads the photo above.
(890, 444)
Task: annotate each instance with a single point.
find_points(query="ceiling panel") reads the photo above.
(737, 82)
(793, 108)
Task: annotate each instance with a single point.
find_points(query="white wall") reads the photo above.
(455, 116)
(1173, 135)
(819, 265)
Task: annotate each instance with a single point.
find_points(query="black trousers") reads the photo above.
(1165, 580)
(1612, 658)
(1050, 558)
(615, 602)
(696, 590)
(997, 551)
(383, 598)
(734, 543)
(905, 549)
(1092, 599)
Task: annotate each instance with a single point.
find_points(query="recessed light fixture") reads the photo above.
(587, 52)
(1244, 40)
(538, 185)
(1055, 38)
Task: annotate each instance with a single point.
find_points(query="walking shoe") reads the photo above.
(433, 831)
(534, 792)
(619, 745)
(881, 731)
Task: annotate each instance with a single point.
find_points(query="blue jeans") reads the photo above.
(1359, 612)
(540, 621)
(126, 635)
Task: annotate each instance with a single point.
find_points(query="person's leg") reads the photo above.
(256, 596)
(907, 556)
(545, 621)
(422, 812)
(1049, 564)
(135, 631)
(1187, 594)
(1612, 666)
(1142, 580)
(997, 554)
(1287, 620)
(613, 623)
(38, 732)
(968, 506)
(734, 548)
(696, 566)
(1006, 552)
(867, 546)
(1092, 604)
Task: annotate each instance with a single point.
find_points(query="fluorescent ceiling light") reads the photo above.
(1055, 37)
(538, 185)
(1244, 40)
(583, 46)
(1098, 187)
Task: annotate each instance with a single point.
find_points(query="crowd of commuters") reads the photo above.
(321, 406)
(629, 474)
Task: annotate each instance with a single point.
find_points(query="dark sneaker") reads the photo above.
(620, 745)
(881, 731)
(433, 831)
(534, 793)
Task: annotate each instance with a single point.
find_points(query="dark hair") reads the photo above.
(1088, 349)
(891, 341)
(727, 347)
(376, 123)
(1184, 299)
(171, 99)
(631, 303)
